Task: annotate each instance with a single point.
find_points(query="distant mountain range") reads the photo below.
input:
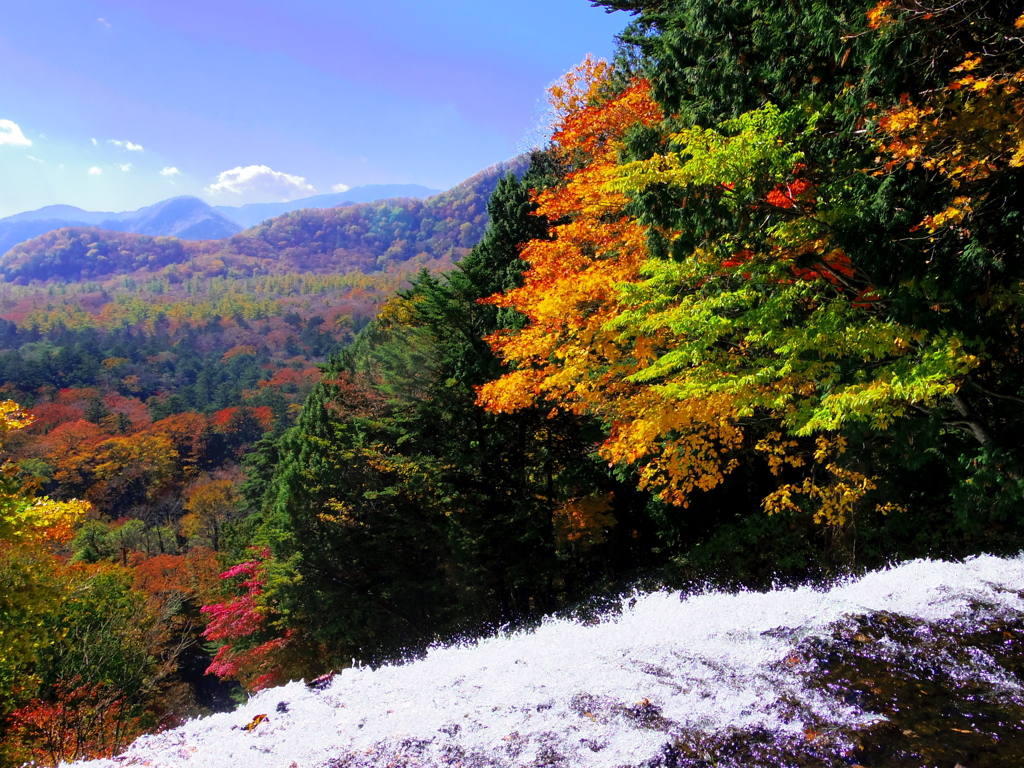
(187, 218)
(314, 239)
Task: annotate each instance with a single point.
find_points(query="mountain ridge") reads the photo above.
(363, 236)
(194, 220)
(256, 213)
(185, 217)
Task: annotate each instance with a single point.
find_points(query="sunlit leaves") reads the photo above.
(966, 132)
(737, 157)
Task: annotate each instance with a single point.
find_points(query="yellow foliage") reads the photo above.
(26, 520)
(879, 15)
(968, 131)
(779, 452)
(26, 525)
(579, 88)
(954, 214)
(831, 492)
(12, 416)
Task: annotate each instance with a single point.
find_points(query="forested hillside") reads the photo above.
(752, 314)
(141, 391)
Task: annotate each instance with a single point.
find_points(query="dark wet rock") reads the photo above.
(321, 683)
(641, 714)
(644, 714)
(949, 692)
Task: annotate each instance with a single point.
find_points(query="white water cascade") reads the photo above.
(666, 670)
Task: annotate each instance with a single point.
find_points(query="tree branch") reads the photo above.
(990, 393)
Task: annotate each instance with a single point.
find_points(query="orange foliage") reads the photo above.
(570, 354)
(238, 349)
(83, 721)
(570, 290)
(187, 433)
(159, 574)
(585, 521)
(879, 16)
(229, 419)
(69, 437)
(196, 573)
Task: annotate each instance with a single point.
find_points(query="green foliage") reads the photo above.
(103, 626)
(28, 591)
(400, 512)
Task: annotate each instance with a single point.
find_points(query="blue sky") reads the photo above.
(116, 104)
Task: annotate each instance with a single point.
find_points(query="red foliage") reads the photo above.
(238, 622)
(132, 407)
(354, 398)
(46, 416)
(290, 380)
(221, 419)
(79, 722)
(789, 195)
(77, 396)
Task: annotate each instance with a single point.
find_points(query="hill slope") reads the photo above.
(186, 217)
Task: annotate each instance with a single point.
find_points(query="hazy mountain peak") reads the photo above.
(185, 217)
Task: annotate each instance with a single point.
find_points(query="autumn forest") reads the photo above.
(752, 315)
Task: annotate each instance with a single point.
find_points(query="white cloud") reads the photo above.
(95, 171)
(125, 166)
(259, 184)
(32, 157)
(170, 171)
(340, 188)
(94, 142)
(11, 134)
(126, 145)
(104, 22)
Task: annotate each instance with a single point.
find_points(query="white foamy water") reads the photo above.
(576, 694)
